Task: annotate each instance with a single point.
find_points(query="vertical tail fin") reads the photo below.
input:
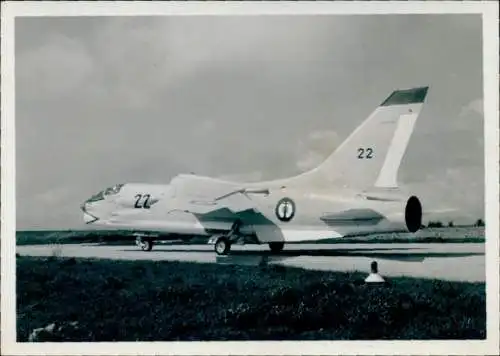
(372, 154)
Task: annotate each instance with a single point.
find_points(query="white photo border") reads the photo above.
(11, 10)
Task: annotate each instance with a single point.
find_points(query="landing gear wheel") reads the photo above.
(276, 247)
(146, 245)
(222, 246)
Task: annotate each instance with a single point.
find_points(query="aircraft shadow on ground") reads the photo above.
(400, 254)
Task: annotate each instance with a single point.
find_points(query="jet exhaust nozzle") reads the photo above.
(413, 214)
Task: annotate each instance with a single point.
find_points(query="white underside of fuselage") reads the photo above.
(288, 234)
(297, 234)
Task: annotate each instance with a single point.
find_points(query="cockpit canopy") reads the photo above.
(106, 192)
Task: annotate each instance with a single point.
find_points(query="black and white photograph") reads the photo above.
(279, 175)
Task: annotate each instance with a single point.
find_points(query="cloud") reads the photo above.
(52, 196)
(50, 209)
(107, 100)
(316, 148)
(53, 68)
(475, 106)
(243, 177)
(460, 188)
(150, 56)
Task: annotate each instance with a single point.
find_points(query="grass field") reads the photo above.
(427, 235)
(154, 301)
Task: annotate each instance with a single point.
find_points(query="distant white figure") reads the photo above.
(374, 277)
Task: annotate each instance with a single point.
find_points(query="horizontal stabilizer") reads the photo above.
(439, 211)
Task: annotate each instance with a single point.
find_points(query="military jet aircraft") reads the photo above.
(354, 190)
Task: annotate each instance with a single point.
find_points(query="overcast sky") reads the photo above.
(107, 100)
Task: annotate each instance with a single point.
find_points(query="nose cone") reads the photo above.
(88, 217)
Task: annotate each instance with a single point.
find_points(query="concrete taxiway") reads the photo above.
(446, 261)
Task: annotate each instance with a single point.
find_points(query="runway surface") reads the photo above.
(448, 261)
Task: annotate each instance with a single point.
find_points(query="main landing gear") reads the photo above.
(222, 245)
(276, 247)
(145, 243)
(223, 242)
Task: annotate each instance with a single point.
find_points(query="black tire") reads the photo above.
(276, 247)
(146, 245)
(222, 246)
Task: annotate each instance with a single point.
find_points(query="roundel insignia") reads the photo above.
(285, 209)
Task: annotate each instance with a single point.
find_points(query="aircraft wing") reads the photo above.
(439, 211)
(240, 205)
(235, 202)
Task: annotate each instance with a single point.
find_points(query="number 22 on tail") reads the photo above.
(365, 153)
